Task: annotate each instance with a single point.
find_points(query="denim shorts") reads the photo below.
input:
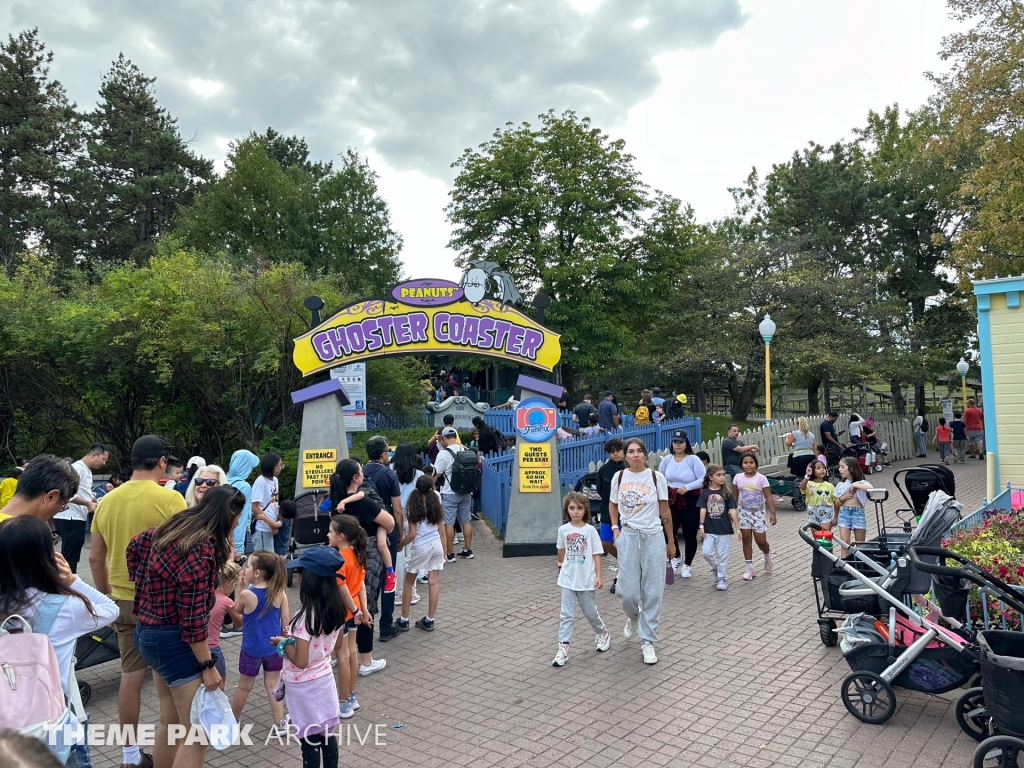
(163, 649)
(853, 518)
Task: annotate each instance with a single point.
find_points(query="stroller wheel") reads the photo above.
(799, 502)
(999, 752)
(971, 715)
(827, 632)
(879, 467)
(868, 697)
(85, 691)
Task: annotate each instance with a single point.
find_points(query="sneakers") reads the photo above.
(650, 657)
(352, 701)
(281, 729)
(466, 554)
(603, 641)
(390, 582)
(749, 574)
(145, 762)
(562, 656)
(629, 630)
(768, 563)
(415, 598)
(722, 586)
(231, 632)
(676, 563)
(449, 558)
(684, 572)
(425, 623)
(458, 538)
(422, 579)
(402, 625)
(389, 634)
(615, 581)
(374, 666)
(345, 710)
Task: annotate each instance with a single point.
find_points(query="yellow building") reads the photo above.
(1001, 344)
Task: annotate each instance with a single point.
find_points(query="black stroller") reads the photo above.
(994, 712)
(310, 525)
(97, 647)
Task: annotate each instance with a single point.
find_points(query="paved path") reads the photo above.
(742, 679)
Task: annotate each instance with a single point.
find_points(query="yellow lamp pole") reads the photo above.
(767, 329)
(962, 368)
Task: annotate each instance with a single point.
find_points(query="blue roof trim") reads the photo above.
(988, 396)
(999, 285)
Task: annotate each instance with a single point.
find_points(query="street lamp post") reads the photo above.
(962, 368)
(767, 329)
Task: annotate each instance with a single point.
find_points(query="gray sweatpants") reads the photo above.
(642, 559)
(588, 604)
(716, 552)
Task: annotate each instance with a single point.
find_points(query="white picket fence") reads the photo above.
(897, 434)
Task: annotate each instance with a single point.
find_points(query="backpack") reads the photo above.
(589, 486)
(642, 415)
(32, 699)
(924, 424)
(465, 473)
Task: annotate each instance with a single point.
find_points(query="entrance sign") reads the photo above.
(318, 466)
(429, 317)
(353, 379)
(536, 419)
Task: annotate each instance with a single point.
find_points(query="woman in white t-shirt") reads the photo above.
(802, 442)
(408, 466)
(265, 497)
(641, 524)
(37, 584)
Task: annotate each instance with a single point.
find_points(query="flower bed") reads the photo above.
(997, 545)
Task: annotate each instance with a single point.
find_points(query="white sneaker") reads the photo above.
(650, 657)
(562, 656)
(676, 563)
(281, 729)
(722, 586)
(629, 630)
(375, 666)
(749, 573)
(603, 641)
(415, 598)
(768, 563)
(684, 572)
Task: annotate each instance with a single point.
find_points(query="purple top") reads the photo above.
(540, 387)
(332, 386)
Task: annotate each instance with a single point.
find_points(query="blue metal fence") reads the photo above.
(574, 459)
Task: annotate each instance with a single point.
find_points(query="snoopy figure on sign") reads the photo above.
(487, 277)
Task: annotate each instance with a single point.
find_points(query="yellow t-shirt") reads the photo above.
(7, 488)
(123, 514)
(4, 517)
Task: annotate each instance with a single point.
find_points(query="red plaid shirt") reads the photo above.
(171, 589)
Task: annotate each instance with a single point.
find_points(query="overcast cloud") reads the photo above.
(416, 82)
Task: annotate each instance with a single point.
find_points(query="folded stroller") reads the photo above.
(97, 647)
(310, 526)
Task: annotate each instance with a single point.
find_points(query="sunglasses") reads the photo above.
(208, 481)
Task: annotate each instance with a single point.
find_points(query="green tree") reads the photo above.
(142, 170)
(563, 210)
(273, 204)
(40, 135)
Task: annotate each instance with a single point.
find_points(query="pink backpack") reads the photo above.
(32, 699)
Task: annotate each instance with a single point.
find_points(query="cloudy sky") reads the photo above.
(701, 90)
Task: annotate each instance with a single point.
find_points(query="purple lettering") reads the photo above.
(441, 326)
(515, 340)
(501, 329)
(456, 328)
(371, 331)
(418, 325)
(402, 334)
(470, 333)
(341, 346)
(323, 347)
(387, 329)
(485, 336)
(356, 339)
(532, 343)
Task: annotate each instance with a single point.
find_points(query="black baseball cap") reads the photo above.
(680, 434)
(321, 560)
(153, 447)
(608, 393)
(656, 391)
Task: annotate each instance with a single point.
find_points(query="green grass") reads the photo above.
(711, 423)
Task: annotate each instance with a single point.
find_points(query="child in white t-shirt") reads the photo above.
(579, 573)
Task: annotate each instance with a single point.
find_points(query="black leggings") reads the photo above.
(315, 746)
(689, 520)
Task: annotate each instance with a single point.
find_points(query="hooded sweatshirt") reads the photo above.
(242, 464)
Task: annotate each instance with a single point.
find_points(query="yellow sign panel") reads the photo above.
(535, 455)
(318, 466)
(534, 480)
(382, 327)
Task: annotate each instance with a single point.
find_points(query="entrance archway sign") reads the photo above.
(432, 317)
(535, 505)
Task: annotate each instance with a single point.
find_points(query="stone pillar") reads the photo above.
(323, 440)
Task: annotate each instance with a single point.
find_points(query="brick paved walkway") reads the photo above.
(742, 678)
